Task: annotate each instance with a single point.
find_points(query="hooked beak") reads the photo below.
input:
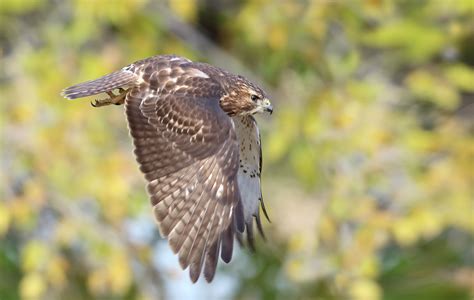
(267, 106)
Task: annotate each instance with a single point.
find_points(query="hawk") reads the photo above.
(198, 145)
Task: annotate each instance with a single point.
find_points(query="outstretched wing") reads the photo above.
(187, 147)
(250, 167)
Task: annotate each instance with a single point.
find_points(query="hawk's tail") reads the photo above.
(112, 81)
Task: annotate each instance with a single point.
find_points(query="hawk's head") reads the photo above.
(244, 98)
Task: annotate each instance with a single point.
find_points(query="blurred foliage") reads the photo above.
(368, 160)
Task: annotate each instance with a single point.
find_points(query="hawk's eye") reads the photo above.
(254, 98)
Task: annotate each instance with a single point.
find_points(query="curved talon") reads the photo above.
(114, 99)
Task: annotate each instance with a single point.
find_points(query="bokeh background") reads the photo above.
(368, 157)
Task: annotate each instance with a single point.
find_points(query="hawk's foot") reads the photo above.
(113, 99)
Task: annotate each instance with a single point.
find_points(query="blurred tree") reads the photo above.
(369, 157)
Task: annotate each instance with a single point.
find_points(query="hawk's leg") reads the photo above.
(113, 99)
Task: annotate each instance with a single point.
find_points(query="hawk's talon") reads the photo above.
(101, 102)
(113, 99)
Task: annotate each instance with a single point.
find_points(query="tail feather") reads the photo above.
(103, 84)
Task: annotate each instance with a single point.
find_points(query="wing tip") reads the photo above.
(250, 236)
(194, 275)
(262, 204)
(259, 226)
(209, 276)
(70, 93)
(65, 94)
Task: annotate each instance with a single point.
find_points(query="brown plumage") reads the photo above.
(198, 145)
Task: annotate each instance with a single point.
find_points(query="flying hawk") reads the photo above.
(198, 144)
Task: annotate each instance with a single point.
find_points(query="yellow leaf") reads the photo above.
(297, 242)
(34, 255)
(277, 37)
(327, 229)
(294, 268)
(21, 212)
(462, 76)
(186, 9)
(56, 271)
(405, 231)
(369, 266)
(119, 272)
(364, 289)
(346, 117)
(32, 286)
(12, 6)
(5, 217)
(429, 224)
(430, 88)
